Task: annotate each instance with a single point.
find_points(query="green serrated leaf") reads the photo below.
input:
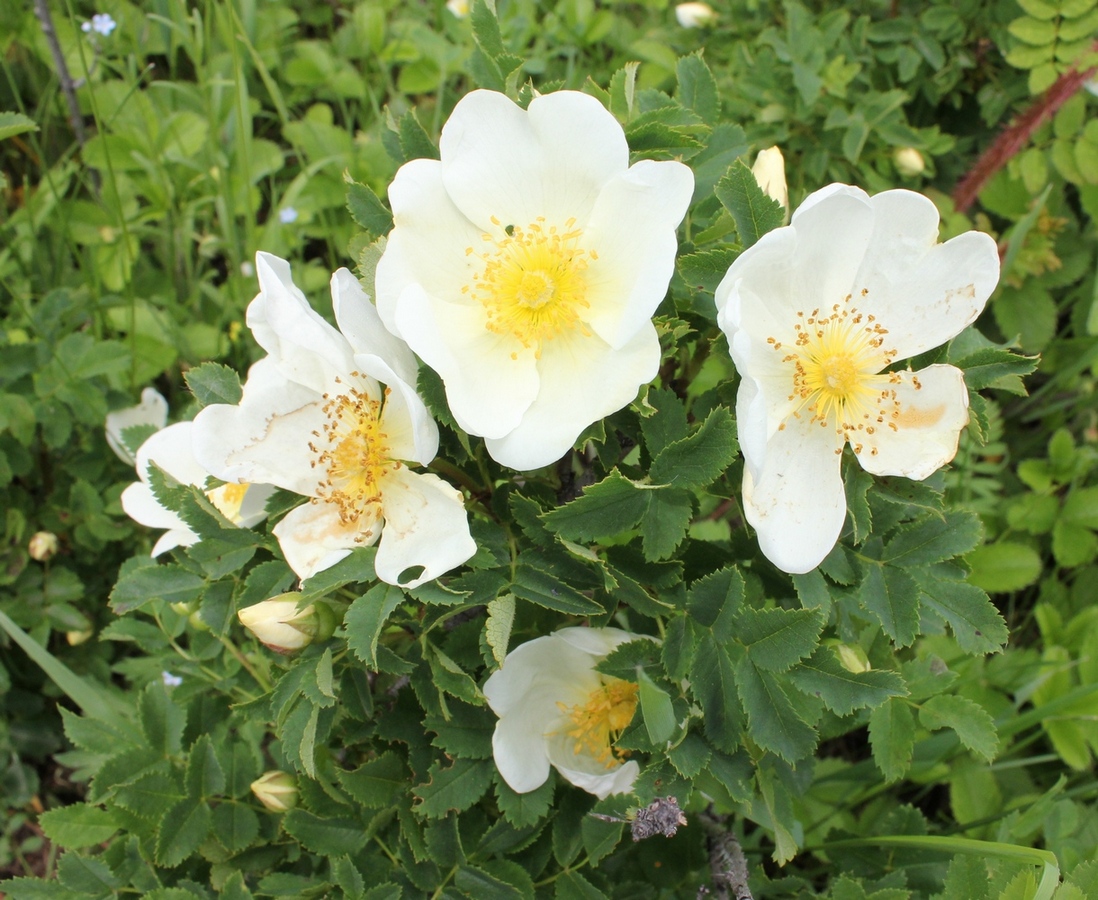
(13, 123)
(204, 777)
(713, 682)
(212, 382)
(934, 539)
(551, 592)
(87, 875)
(523, 810)
(375, 784)
(701, 458)
(235, 825)
(892, 738)
(665, 522)
(977, 624)
(327, 836)
(656, 708)
(777, 638)
(366, 209)
(497, 627)
(972, 723)
(78, 825)
(486, 28)
(698, 88)
(455, 788)
(607, 508)
(772, 720)
(181, 831)
(754, 213)
(366, 619)
(892, 595)
(140, 583)
(841, 690)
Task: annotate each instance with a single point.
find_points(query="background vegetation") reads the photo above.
(206, 131)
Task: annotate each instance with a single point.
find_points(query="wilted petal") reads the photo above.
(425, 525)
(314, 538)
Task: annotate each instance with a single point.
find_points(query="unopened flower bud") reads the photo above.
(695, 15)
(276, 790)
(909, 162)
(853, 658)
(459, 8)
(769, 172)
(43, 545)
(279, 624)
(75, 638)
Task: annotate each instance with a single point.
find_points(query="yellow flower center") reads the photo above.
(228, 499)
(353, 454)
(596, 723)
(533, 282)
(835, 361)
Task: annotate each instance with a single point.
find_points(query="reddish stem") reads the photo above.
(1018, 134)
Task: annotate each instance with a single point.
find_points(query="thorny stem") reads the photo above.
(68, 86)
(727, 864)
(1011, 141)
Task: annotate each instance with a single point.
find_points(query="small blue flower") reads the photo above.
(287, 214)
(101, 23)
(171, 680)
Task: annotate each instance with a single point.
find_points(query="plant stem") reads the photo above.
(68, 86)
(1017, 135)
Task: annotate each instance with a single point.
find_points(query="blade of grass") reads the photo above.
(91, 699)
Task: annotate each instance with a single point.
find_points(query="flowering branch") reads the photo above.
(1017, 135)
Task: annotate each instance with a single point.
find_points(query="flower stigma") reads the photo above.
(533, 284)
(355, 457)
(596, 723)
(837, 361)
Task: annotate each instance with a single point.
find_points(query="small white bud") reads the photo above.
(279, 625)
(909, 162)
(276, 790)
(43, 545)
(769, 172)
(460, 8)
(695, 15)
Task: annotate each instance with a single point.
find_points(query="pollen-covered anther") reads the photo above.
(533, 282)
(355, 456)
(595, 724)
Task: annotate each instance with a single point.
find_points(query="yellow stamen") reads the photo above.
(596, 723)
(836, 360)
(354, 454)
(228, 499)
(533, 284)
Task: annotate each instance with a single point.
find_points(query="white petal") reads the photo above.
(313, 538)
(265, 439)
(550, 160)
(600, 781)
(425, 525)
(175, 537)
(632, 228)
(922, 292)
(809, 264)
(518, 748)
(486, 390)
(306, 349)
(598, 642)
(582, 380)
(928, 426)
(546, 666)
(764, 400)
(254, 508)
(361, 325)
(170, 448)
(797, 503)
(405, 421)
(152, 410)
(428, 243)
(141, 505)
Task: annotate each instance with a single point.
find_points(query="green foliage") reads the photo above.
(811, 709)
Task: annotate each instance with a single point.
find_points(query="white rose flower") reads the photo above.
(695, 15)
(525, 266)
(170, 449)
(815, 312)
(152, 410)
(555, 709)
(315, 420)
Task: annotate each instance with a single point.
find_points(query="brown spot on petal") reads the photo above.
(912, 417)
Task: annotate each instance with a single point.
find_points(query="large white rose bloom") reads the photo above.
(170, 449)
(555, 709)
(314, 419)
(525, 266)
(814, 314)
(152, 410)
